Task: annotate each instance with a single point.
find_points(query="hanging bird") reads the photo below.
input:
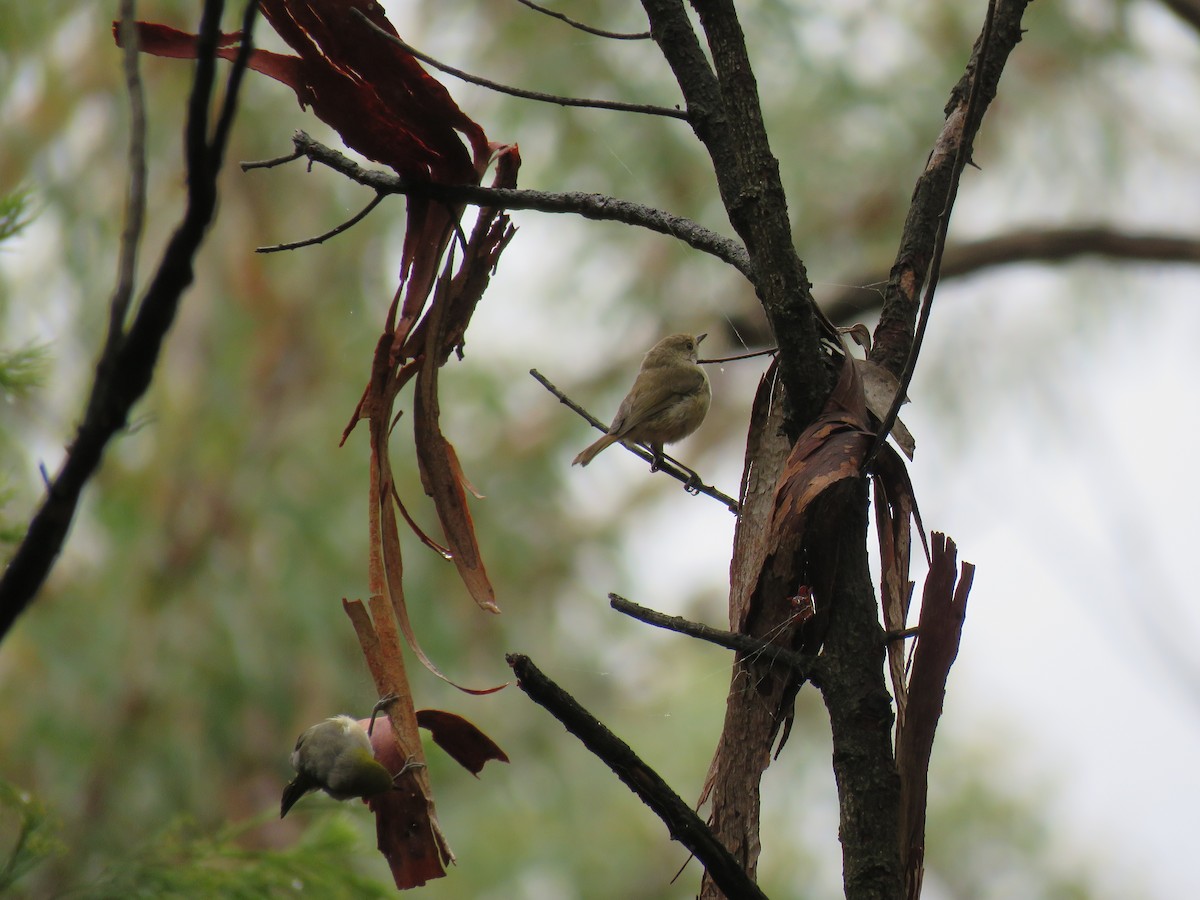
(335, 756)
(668, 400)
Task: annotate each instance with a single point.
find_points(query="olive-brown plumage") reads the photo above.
(335, 756)
(668, 400)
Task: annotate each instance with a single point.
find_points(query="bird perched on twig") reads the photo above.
(668, 400)
(335, 756)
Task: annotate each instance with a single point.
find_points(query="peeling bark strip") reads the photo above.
(355, 77)
(943, 611)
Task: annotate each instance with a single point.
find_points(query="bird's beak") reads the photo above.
(700, 337)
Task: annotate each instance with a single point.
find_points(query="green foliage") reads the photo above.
(26, 836)
(14, 213)
(185, 863)
(22, 371)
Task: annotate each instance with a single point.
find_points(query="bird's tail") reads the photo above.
(295, 789)
(589, 453)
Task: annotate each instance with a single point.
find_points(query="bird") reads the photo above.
(668, 401)
(335, 756)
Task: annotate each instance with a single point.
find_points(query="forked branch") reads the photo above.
(130, 355)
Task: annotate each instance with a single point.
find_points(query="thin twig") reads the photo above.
(681, 820)
(333, 232)
(599, 32)
(220, 135)
(272, 163)
(598, 207)
(617, 106)
(725, 359)
(135, 202)
(743, 643)
(667, 465)
(961, 158)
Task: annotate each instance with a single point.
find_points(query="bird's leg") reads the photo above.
(656, 463)
(384, 703)
(694, 481)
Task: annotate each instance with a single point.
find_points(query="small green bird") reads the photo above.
(668, 401)
(335, 756)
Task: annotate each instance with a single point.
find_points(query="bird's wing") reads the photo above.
(670, 384)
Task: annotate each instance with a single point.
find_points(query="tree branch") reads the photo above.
(681, 821)
(1188, 10)
(135, 202)
(331, 233)
(615, 105)
(127, 363)
(724, 110)
(598, 207)
(614, 35)
(1048, 245)
(894, 334)
(972, 118)
(751, 647)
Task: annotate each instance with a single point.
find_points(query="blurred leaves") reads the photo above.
(186, 862)
(26, 836)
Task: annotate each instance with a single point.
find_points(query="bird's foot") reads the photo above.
(409, 764)
(384, 703)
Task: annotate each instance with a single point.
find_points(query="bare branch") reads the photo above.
(972, 118)
(615, 35)
(271, 163)
(726, 114)
(127, 363)
(615, 105)
(681, 820)
(743, 643)
(1188, 10)
(894, 333)
(1048, 245)
(333, 232)
(724, 359)
(135, 203)
(598, 207)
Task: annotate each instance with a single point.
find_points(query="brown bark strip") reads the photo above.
(756, 687)
(943, 611)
